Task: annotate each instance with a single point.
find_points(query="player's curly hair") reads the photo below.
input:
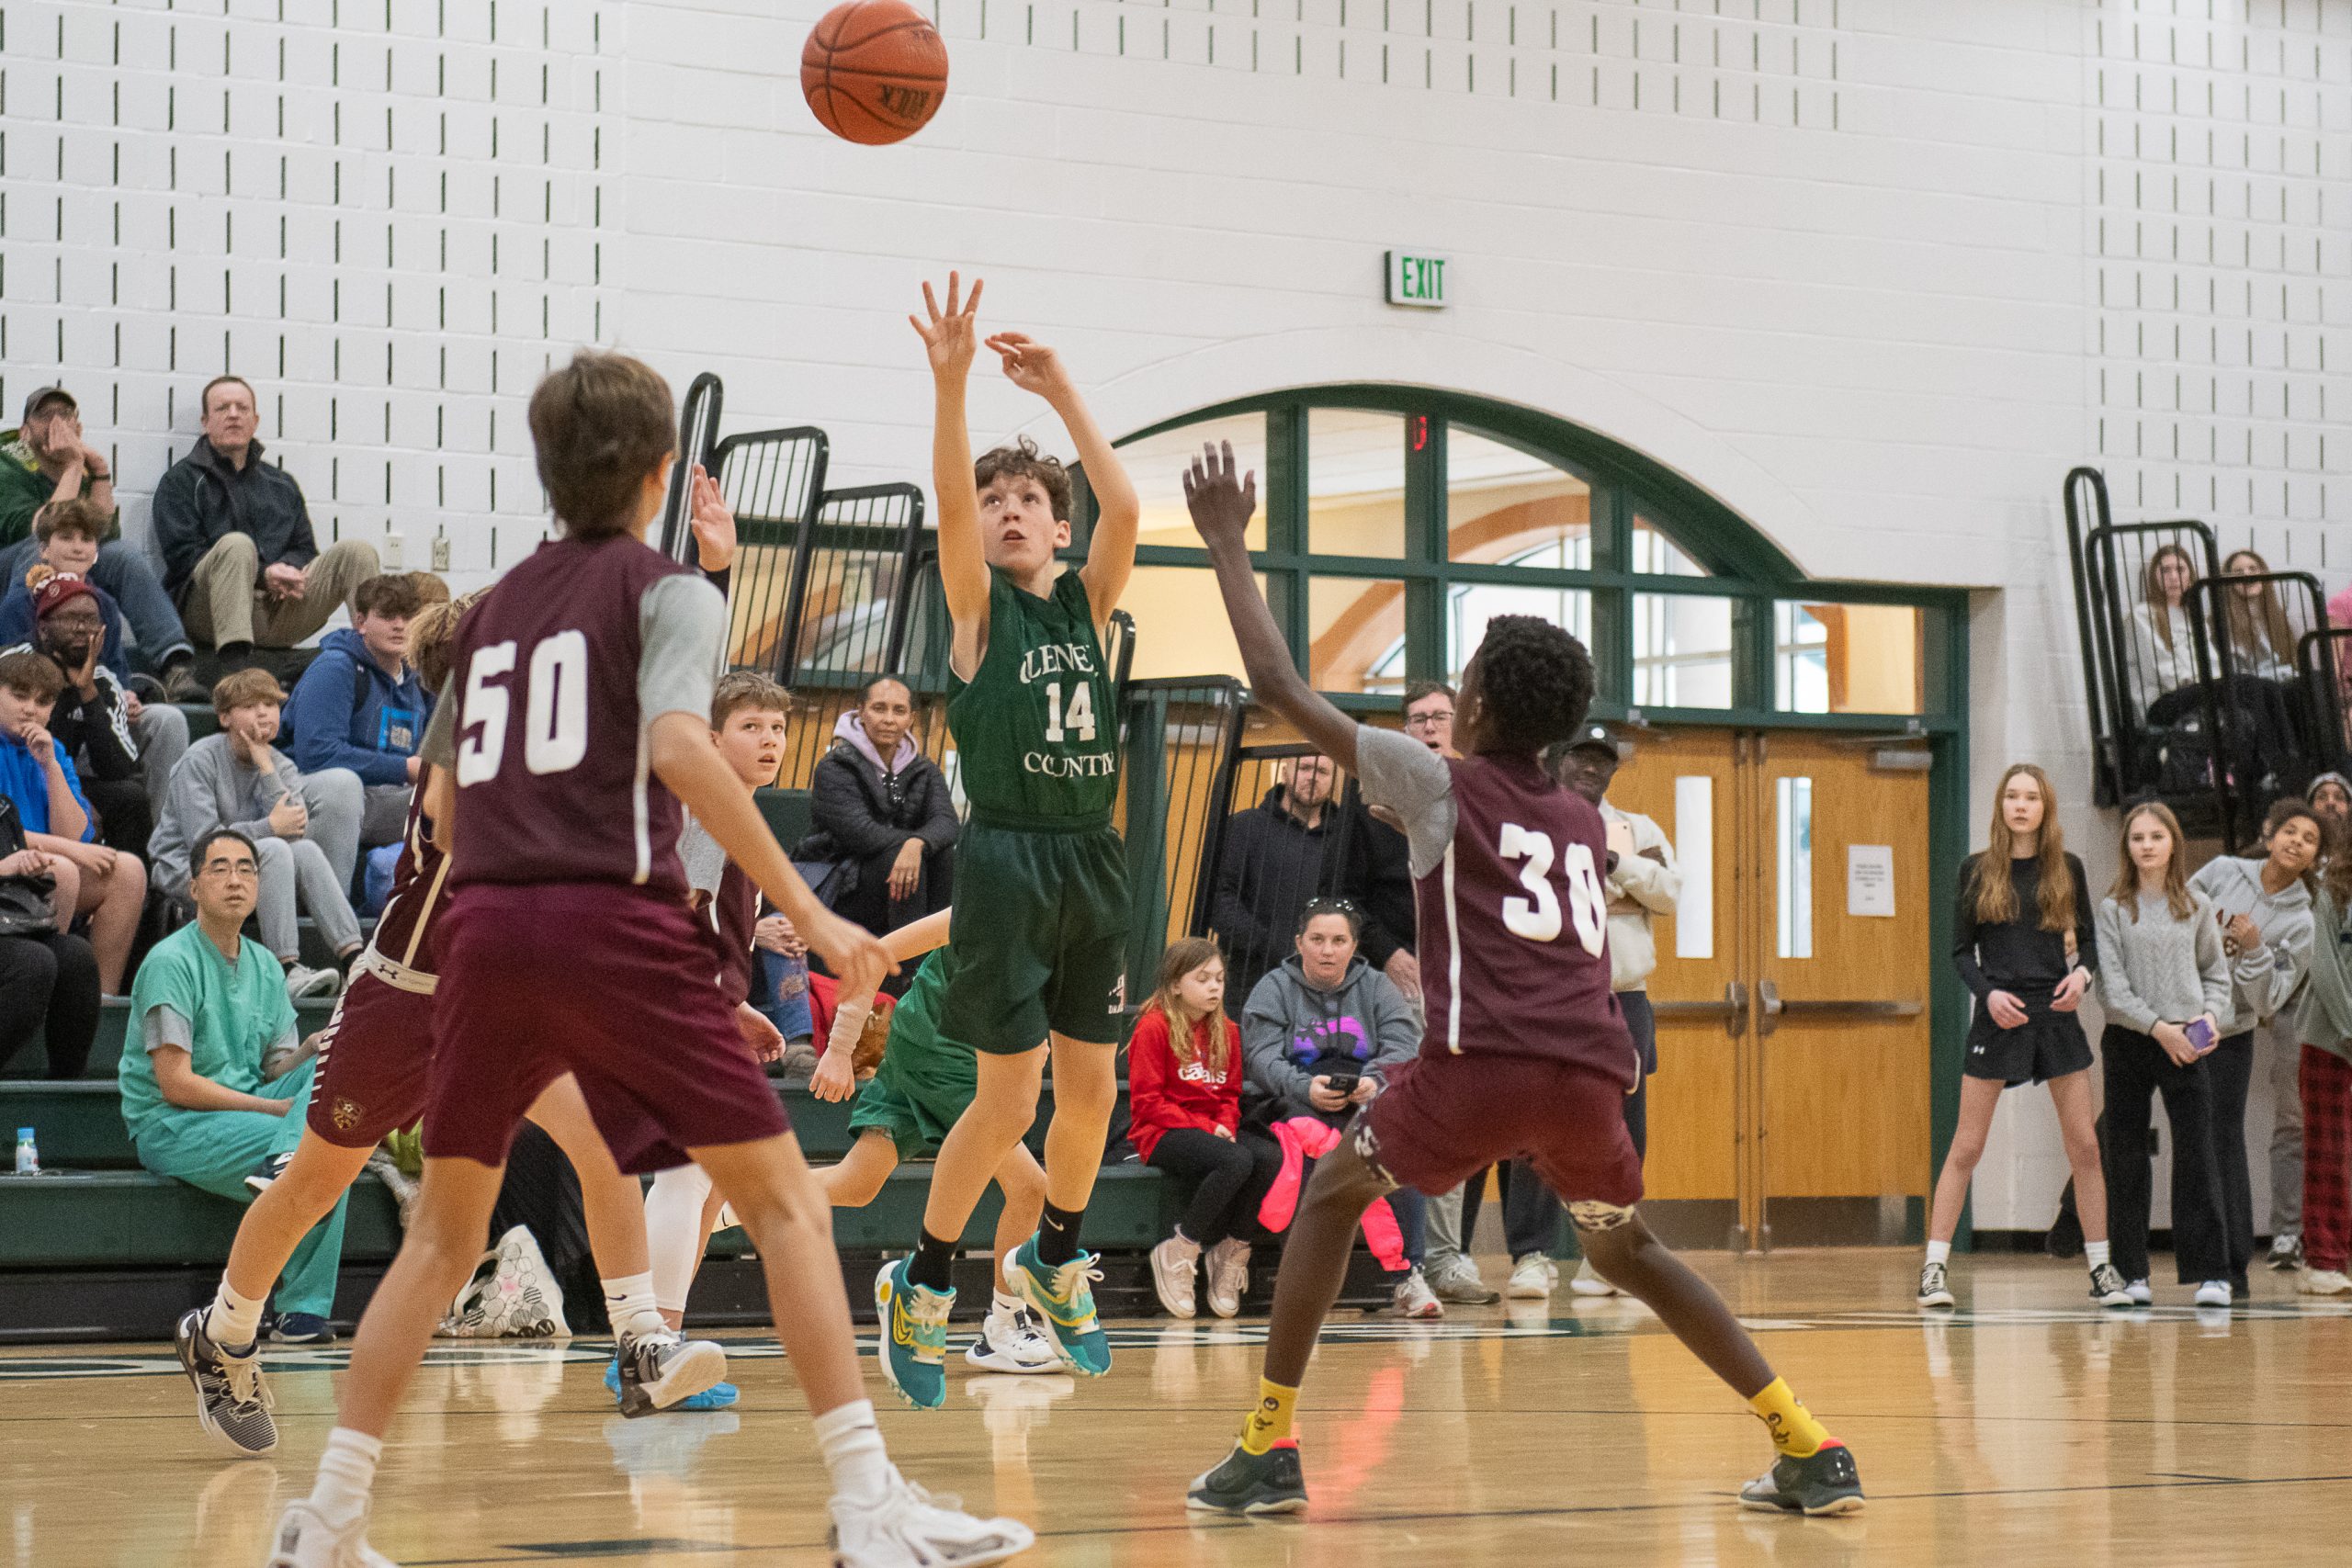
(1534, 685)
(1025, 461)
(433, 633)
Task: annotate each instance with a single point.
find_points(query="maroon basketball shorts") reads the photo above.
(614, 985)
(374, 1063)
(1443, 1119)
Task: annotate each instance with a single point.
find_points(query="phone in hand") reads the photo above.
(1343, 1083)
(2201, 1037)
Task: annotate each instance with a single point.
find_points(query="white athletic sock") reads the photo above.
(2095, 1253)
(674, 1233)
(629, 1304)
(234, 1320)
(1003, 1303)
(851, 1445)
(1939, 1252)
(346, 1475)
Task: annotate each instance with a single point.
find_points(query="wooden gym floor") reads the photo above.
(2029, 1427)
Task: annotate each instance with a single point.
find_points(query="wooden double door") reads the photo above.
(1791, 1101)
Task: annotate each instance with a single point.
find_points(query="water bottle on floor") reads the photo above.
(28, 1156)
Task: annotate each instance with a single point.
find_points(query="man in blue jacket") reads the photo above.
(359, 705)
(239, 556)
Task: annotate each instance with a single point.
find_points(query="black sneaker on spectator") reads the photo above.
(267, 1171)
(180, 683)
(232, 1401)
(1935, 1286)
(2108, 1287)
(296, 1328)
(2286, 1251)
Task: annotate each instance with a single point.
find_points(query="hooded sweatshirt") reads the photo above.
(2323, 1019)
(345, 712)
(1293, 1034)
(863, 808)
(1164, 1093)
(2265, 976)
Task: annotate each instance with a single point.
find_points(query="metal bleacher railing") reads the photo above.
(2204, 705)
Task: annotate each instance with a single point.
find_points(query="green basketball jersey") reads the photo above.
(1037, 727)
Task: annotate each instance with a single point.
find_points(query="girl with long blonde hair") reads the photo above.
(2021, 902)
(2166, 986)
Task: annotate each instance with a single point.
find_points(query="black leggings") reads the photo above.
(1232, 1176)
(2231, 1067)
(2137, 1071)
(52, 978)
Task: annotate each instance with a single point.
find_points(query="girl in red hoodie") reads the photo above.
(1184, 1116)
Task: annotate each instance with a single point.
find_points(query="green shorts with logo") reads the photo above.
(925, 1081)
(1040, 934)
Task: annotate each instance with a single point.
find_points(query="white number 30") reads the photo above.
(1537, 917)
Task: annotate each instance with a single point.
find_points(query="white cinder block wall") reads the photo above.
(1877, 272)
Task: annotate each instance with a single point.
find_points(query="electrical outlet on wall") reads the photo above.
(441, 552)
(389, 553)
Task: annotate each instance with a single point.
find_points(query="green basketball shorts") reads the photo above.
(1040, 934)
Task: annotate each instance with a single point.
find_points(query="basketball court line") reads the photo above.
(1618, 1321)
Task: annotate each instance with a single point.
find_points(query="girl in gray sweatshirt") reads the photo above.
(2264, 908)
(2165, 980)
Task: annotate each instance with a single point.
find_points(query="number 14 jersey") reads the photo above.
(1507, 869)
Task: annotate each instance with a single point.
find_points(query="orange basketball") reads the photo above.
(874, 71)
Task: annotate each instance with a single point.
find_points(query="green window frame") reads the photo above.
(1741, 564)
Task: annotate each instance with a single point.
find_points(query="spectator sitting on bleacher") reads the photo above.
(98, 723)
(46, 461)
(2262, 638)
(215, 1086)
(360, 706)
(93, 880)
(67, 535)
(239, 557)
(1276, 859)
(2165, 678)
(1318, 1036)
(883, 806)
(2331, 796)
(307, 827)
(49, 978)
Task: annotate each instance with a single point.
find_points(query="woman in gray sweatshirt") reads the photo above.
(2264, 907)
(2161, 970)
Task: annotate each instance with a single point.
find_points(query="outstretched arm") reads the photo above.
(1222, 499)
(1111, 553)
(948, 339)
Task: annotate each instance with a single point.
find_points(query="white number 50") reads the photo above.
(555, 727)
(1537, 916)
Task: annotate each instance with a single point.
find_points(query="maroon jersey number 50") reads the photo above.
(555, 720)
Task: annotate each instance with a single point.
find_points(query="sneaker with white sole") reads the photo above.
(304, 1539)
(303, 982)
(2324, 1282)
(1457, 1280)
(271, 1167)
(908, 1528)
(1011, 1340)
(2108, 1288)
(1588, 1282)
(662, 1372)
(1175, 1275)
(513, 1295)
(2213, 1293)
(1531, 1279)
(233, 1403)
(1935, 1286)
(1229, 1274)
(2140, 1293)
(1063, 1295)
(1414, 1298)
(2286, 1251)
(912, 1348)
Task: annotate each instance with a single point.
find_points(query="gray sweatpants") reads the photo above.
(161, 731)
(295, 872)
(2278, 1043)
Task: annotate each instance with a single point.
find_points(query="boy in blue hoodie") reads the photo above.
(360, 706)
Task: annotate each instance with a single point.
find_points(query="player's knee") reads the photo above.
(127, 883)
(1968, 1148)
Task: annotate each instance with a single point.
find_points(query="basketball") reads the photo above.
(874, 71)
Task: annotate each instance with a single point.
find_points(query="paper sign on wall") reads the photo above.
(1870, 880)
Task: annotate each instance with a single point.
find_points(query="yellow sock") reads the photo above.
(1794, 1431)
(1270, 1423)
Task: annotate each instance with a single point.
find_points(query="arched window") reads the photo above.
(1394, 522)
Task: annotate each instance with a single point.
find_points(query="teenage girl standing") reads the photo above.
(2019, 900)
(2166, 988)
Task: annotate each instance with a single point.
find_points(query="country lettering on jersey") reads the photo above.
(1053, 765)
(1056, 659)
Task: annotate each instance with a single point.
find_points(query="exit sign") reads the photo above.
(1417, 280)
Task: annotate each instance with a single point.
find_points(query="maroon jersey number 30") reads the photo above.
(1514, 923)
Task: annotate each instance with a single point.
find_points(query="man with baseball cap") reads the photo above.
(123, 751)
(46, 459)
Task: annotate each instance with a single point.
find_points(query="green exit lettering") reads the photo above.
(1417, 280)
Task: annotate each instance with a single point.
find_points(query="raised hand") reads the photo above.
(950, 338)
(1221, 497)
(712, 521)
(36, 739)
(1030, 365)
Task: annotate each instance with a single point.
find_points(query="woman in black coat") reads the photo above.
(884, 811)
